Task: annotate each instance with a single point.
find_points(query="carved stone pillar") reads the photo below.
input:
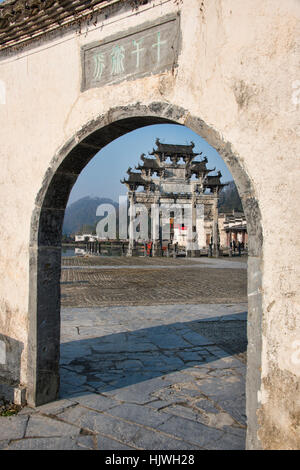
(155, 220)
(194, 252)
(215, 227)
(131, 196)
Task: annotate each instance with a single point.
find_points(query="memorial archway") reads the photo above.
(45, 241)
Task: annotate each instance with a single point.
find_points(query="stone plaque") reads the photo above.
(150, 49)
(176, 188)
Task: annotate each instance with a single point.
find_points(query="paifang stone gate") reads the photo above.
(76, 75)
(175, 204)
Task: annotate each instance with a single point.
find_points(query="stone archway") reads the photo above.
(45, 242)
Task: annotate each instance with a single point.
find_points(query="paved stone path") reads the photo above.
(95, 281)
(137, 261)
(141, 378)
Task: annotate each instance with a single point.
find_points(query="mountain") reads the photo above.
(229, 198)
(81, 214)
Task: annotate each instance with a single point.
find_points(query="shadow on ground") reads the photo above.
(165, 387)
(111, 362)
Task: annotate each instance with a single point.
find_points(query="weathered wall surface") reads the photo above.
(238, 71)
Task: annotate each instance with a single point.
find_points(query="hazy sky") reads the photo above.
(101, 177)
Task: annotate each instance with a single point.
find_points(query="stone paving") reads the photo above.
(142, 377)
(103, 281)
(121, 261)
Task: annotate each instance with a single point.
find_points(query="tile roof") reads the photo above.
(24, 20)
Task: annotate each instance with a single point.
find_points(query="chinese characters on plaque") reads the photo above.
(134, 54)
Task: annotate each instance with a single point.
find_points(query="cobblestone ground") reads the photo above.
(152, 261)
(145, 377)
(151, 281)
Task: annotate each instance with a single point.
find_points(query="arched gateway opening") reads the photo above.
(45, 248)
